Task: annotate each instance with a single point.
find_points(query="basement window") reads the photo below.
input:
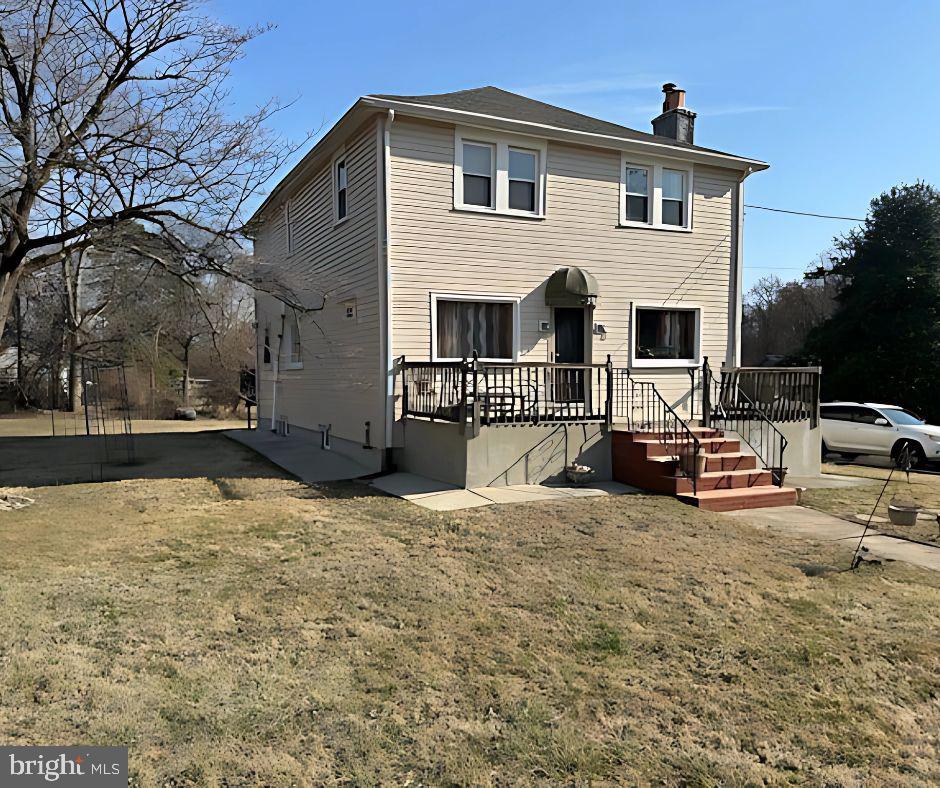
(666, 337)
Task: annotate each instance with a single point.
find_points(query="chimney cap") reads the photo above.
(669, 87)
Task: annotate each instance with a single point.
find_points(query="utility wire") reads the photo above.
(805, 213)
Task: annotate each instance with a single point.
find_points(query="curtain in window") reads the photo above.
(465, 326)
(665, 333)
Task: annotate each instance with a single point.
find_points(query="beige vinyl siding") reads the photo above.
(435, 248)
(339, 383)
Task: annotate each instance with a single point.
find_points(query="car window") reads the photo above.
(903, 417)
(836, 412)
(865, 415)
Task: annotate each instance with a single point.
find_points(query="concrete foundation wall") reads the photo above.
(802, 455)
(502, 454)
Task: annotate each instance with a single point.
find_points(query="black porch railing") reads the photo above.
(497, 393)
(789, 395)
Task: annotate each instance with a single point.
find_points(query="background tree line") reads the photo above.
(868, 312)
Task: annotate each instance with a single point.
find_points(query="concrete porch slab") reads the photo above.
(442, 497)
(300, 455)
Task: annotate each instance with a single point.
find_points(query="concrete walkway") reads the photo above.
(821, 527)
(442, 497)
(300, 455)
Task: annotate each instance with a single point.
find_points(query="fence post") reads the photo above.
(85, 396)
(706, 394)
(609, 405)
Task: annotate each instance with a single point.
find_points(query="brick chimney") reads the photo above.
(676, 120)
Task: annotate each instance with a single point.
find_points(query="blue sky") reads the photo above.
(841, 98)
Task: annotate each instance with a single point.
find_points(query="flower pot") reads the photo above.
(579, 474)
(899, 514)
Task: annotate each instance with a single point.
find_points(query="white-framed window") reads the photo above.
(292, 341)
(638, 195)
(499, 173)
(462, 323)
(266, 346)
(288, 229)
(674, 197)
(479, 174)
(523, 180)
(340, 188)
(655, 193)
(664, 336)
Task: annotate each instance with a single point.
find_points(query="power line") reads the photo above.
(805, 213)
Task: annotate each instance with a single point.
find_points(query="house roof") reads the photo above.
(495, 107)
(498, 103)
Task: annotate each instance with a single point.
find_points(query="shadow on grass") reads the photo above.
(49, 461)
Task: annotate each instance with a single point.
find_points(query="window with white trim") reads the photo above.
(655, 193)
(664, 337)
(674, 196)
(340, 189)
(295, 359)
(523, 179)
(638, 184)
(479, 174)
(464, 325)
(499, 173)
(288, 229)
(266, 339)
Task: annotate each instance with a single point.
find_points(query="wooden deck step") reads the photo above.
(746, 498)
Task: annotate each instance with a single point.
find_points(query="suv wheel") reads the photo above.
(918, 458)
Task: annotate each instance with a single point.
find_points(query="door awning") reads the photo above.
(571, 286)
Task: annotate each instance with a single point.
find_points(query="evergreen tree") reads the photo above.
(882, 344)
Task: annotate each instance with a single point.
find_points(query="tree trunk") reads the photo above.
(7, 293)
(186, 377)
(75, 379)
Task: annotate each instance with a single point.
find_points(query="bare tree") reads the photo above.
(115, 110)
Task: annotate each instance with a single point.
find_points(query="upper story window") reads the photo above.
(266, 349)
(637, 194)
(295, 358)
(523, 179)
(479, 174)
(499, 173)
(655, 194)
(340, 188)
(674, 197)
(288, 229)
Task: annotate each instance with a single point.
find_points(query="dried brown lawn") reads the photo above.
(254, 631)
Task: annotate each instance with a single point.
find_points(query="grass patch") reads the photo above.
(263, 632)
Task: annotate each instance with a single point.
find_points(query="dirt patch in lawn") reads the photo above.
(857, 502)
(252, 630)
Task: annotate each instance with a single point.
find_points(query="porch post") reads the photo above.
(609, 405)
(706, 394)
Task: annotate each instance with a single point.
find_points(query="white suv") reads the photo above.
(853, 428)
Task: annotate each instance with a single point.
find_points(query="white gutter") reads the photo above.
(386, 354)
(584, 137)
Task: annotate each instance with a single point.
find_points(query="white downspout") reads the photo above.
(385, 280)
(736, 300)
